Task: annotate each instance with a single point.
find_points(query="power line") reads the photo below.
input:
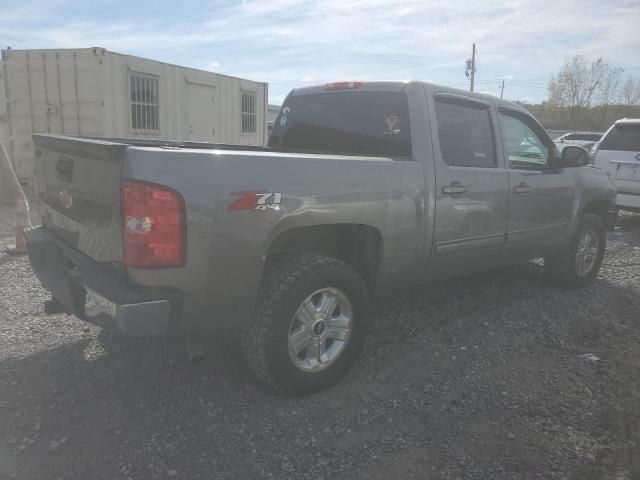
(529, 84)
(522, 84)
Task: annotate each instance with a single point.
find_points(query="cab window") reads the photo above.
(465, 133)
(523, 147)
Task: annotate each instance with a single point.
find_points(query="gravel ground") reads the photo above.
(495, 376)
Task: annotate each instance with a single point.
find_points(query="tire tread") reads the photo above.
(276, 283)
(560, 268)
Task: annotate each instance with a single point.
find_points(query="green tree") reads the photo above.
(580, 84)
(630, 91)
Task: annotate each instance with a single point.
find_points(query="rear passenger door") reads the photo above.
(471, 187)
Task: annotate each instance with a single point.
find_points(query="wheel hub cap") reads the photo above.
(320, 329)
(586, 253)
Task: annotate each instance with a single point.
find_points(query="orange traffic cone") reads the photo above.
(22, 222)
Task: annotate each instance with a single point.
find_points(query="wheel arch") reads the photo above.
(358, 245)
(601, 208)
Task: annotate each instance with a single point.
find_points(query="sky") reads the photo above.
(292, 43)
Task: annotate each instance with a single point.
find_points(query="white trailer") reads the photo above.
(95, 92)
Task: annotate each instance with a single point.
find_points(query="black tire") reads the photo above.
(561, 269)
(284, 288)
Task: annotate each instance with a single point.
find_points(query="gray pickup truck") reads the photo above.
(363, 187)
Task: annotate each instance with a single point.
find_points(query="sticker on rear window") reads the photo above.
(283, 118)
(392, 125)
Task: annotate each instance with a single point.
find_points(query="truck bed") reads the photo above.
(143, 142)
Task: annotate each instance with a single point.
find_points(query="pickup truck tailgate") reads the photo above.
(77, 182)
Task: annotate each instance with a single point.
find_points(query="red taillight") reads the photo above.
(152, 225)
(342, 85)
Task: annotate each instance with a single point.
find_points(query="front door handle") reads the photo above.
(455, 188)
(522, 189)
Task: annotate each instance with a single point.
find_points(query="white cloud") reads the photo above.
(276, 99)
(294, 42)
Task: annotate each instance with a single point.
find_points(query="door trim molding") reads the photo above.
(559, 223)
(470, 243)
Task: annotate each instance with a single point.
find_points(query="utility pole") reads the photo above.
(470, 72)
(502, 89)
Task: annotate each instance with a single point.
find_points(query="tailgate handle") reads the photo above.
(64, 167)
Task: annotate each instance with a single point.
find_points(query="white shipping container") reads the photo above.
(95, 92)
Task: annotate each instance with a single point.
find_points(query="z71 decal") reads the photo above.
(260, 201)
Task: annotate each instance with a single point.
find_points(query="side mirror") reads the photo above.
(574, 156)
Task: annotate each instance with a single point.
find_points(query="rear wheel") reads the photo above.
(309, 324)
(579, 266)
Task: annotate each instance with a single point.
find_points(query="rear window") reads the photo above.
(358, 123)
(622, 137)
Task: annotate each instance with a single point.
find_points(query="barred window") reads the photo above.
(144, 94)
(248, 112)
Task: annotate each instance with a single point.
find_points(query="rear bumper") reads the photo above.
(91, 291)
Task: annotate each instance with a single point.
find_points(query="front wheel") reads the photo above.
(309, 324)
(579, 266)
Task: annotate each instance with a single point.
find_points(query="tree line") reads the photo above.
(588, 95)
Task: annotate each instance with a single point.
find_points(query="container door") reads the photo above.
(201, 113)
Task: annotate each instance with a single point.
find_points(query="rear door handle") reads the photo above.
(522, 189)
(455, 188)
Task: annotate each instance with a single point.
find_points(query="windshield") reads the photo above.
(623, 137)
(358, 123)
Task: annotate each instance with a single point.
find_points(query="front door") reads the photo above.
(541, 197)
(201, 114)
(471, 188)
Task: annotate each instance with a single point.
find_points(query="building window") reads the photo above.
(144, 95)
(248, 112)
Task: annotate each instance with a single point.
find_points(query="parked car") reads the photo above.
(619, 154)
(581, 139)
(364, 187)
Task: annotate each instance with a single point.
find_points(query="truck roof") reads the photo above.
(399, 86)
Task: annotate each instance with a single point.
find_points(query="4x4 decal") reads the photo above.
(260, 201)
